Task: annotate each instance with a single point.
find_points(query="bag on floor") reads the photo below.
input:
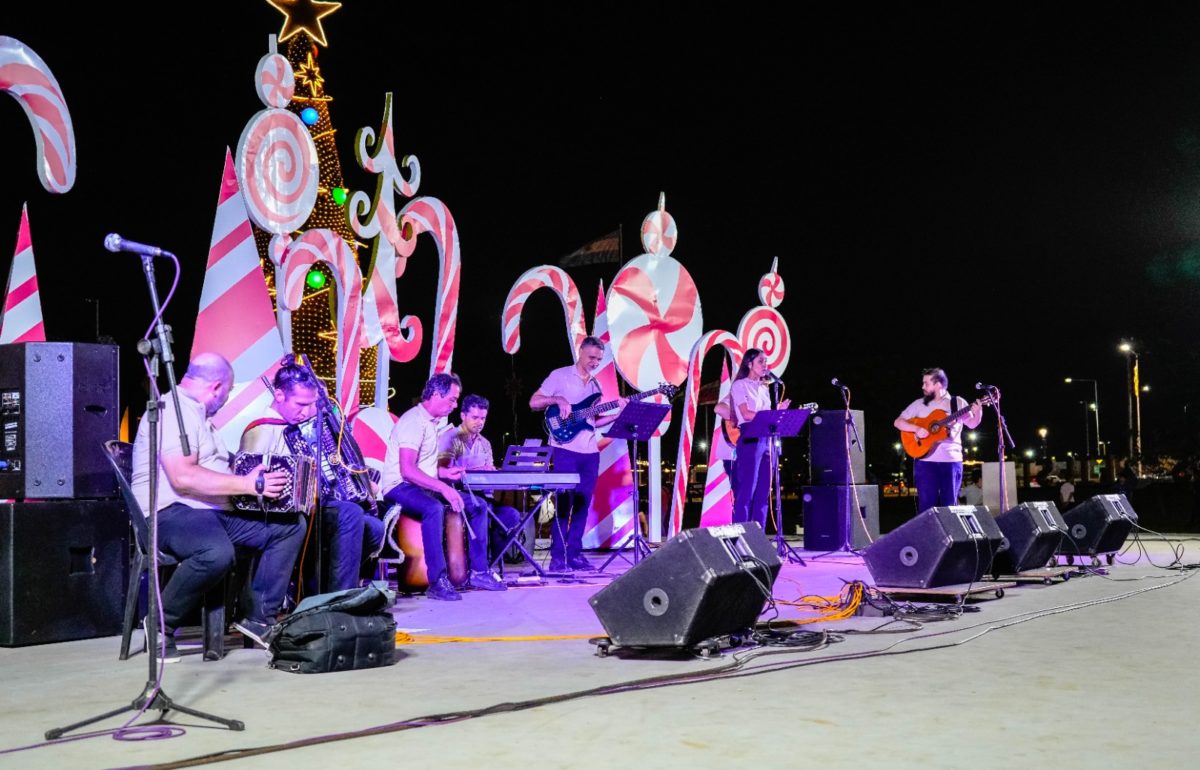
(337, 632)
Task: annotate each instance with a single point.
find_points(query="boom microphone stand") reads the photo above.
(152, 696)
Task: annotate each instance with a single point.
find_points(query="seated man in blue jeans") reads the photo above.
(413, 480)
(197, 523)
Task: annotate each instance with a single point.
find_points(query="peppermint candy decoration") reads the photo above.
(277, 170)
(274, 80)
(765, 329)
(770, 287)
(659, 234)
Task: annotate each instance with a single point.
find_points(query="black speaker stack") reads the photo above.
(1033, 533)
(702, 584)
(946, 545)
(64, 535)
(841, 511)
(1098, 525)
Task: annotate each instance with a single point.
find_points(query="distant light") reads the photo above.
(1125, 347)
(1029, 453)
(897, 446)
(1145, 388)
(1067, 379)
(1042, 432)
(972, 436)
(703, 445)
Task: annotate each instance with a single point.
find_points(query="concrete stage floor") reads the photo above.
(1098, 671)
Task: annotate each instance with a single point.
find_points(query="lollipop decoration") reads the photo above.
(770, 286)
(275, 81)
(278, 170)
(26, 78)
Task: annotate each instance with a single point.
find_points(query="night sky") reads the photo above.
(1005, 193)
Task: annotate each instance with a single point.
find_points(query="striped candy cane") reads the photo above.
(542, 277)
(25, 77)
(430, 215)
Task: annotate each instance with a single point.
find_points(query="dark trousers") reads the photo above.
(752, 481)
(203, 541)
(937, 483)
(351, 533)
(571, 508)
(430, 509)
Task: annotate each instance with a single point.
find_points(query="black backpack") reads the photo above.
(337, 632)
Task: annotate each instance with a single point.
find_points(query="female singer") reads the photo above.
(750, 395)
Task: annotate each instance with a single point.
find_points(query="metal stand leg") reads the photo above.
(513, 540)
(782, 548)
(641, 547)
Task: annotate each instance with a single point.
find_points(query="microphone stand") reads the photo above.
(1002, 431)
(152, 696)
(851, 492)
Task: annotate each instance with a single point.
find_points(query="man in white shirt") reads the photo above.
(938, 475)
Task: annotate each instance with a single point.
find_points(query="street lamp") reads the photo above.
(1135, 405)
(1095, 406)
(1045, 454)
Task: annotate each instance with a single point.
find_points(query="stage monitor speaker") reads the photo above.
(1098, 525)
(701, 584)
(1033, 532)
(828, 523)
(58, 405)
(946, 545)
(827, 448)
(64, 567)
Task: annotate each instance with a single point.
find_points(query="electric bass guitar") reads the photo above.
(563, 429)
(938, 424)
(733, 432)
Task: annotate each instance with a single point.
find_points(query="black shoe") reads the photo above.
(558, 565)
(579, 562)
(256, 631)
(443, 591)
(167, 651)
(486, 581)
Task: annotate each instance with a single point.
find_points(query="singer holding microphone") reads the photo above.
(750, 394)
(938, 474)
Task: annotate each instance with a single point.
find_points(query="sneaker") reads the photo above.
(486, 581)
(167, 652)
(256, 631)
(443, 591)
(558, 565)
(579, 562)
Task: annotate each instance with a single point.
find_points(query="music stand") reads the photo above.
(636, 422)
(775, 424)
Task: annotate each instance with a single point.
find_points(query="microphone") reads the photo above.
(116, 243)
(771, 377)
(837, 384)
(985, 386)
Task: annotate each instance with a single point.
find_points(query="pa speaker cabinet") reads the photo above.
(827, 448)
(64, 567)
(1098, 525)
(1033, 532)
(941, 546)
(830, 522)
(58, 405)
(700, 584)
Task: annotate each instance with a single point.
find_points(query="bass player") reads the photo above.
(938, 475)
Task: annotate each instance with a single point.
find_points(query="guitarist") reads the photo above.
(938, 475)
(566, 387)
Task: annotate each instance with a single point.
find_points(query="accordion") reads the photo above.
(299, 493)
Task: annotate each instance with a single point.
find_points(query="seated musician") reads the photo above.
(465, 447)
(413, 480)
(350, 531)
(197, 523)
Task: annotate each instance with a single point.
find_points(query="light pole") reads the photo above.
(1135, 406)
(1045, 454)
(1095, 406)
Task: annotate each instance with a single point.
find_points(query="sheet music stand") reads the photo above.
(636, 422)
(775, 424)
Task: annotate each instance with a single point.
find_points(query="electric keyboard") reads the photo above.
(502, 480)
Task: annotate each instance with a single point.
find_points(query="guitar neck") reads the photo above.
(596, 409)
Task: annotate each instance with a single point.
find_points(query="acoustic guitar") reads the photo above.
(565, 429)
(938, 424)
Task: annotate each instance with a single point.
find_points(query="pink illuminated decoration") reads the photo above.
(26, 78)
(770, 286)
(701, 349)
(371, 429)
(717, 506)
(278, 171)
(654, 310)
(430, 215)
(543, 277)
(398, 338)
(611, 518)
(763, 327)
(324, 245)
(234, 289)
(21, 314)
(275, 81)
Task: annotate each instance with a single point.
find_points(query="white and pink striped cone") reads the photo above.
(371, 429)
(21, 319)
(235, 317)
(611, 518)
(717, 507)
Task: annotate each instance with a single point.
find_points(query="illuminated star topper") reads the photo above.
(303, 16)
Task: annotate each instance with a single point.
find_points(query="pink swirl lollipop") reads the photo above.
(543, 277)
(770, 286)
(25, 77)
(765, 329)
(659, 234)
(278, 171)
(274, 80)
(654, 317)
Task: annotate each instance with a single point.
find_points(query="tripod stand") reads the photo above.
(635, 423)
(152, 696)
(773, 425)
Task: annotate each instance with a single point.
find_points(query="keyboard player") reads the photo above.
(466, 447)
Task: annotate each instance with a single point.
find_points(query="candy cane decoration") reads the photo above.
(701, 349)
(430, 215)
(542, 277)
(26, 78)
(717, 506)
(21, 310)
(276, 251)
(324, 245)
